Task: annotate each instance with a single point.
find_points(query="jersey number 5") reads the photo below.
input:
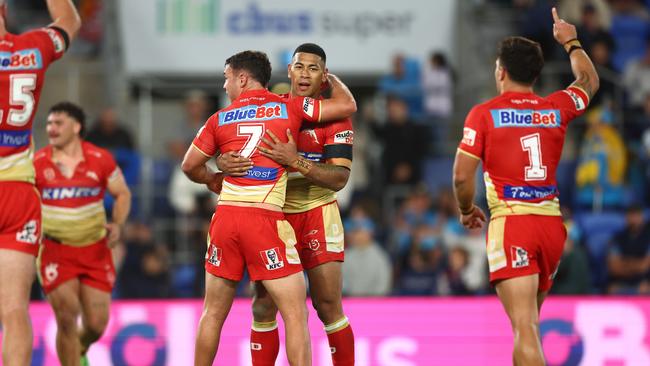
(533, 144)
(254, 133)
(21, 93)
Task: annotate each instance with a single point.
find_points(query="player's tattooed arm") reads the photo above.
(586, 81)
(332, 176)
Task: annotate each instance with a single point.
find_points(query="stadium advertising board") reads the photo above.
(389, 332)
(196, 36)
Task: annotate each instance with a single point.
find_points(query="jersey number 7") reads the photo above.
(533, 144)
(254, 133)
(21, 93)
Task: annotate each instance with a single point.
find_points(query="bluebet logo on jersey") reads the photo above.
(29, 59)
(262, 173)
(251, 113)
(546, 118)
(61, 193)
(529, 193)
(15, 138)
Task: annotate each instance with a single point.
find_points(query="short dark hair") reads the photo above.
(521, 58)
(312, 48)
(255, 62)
(73, 111)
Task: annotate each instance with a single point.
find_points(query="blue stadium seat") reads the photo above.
(438, 173)
(598, 229)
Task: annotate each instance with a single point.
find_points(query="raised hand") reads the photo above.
(563, 32)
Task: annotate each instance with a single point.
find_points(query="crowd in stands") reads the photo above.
(401, 221)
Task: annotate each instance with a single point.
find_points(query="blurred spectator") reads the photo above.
(630, 29)
(417, 275)
(415, 214)
(535, 25)
(600, 53)
(404, 81)
(197, 110)
(108, 133)
(591, 27)
(601, 163)
(574, 12)
(145, 271)
(573, 275)
(405, 144)
(472, 243)
(636, 78)
(629, 256)
(437, 83)
(366, 270)
(91, 34)
(453, 279)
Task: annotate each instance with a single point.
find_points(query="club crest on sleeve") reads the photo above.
(469, 136)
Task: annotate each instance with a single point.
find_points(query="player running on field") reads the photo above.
(518, 136)
(311, 208)
(75, 263)
(24, 59)
(248, 228)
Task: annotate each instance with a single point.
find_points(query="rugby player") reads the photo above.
(311, 208)
(248, 228)
(24, 59)
(518, 136)
(75, 265)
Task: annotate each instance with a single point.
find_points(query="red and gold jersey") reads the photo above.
(241, 126)
(73, 208)
(23, 61)
(317, 142)
(519, 138)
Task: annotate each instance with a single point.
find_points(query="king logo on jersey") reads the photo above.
(271, 259)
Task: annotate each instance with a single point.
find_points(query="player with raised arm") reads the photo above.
(519, 136)
(24, 59)
(319, 165)
(248, 228)
(75, 265)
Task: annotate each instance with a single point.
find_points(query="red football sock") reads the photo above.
(265, 343)
(341, 341)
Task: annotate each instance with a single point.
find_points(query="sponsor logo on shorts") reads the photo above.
(469, 136)
(51, 272)
(308, 107)
(344, 137)
(57, 40)
(265, 112)
(527, 193)
(29, 59)
(15, 138)
(546, 118)
(262, 173)
(61, 193)
(272, 259)
(28, 233)
(519, 257)
(214, 257)
(577, 100)
(256, 346)
(313, 243)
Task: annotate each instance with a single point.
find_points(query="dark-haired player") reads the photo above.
(248, 228)
(519, 137)
(75, 264)
(24, 59)
(311, 208)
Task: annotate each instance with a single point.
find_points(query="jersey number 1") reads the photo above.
(21, 93)
(533, 144)
(254, 133)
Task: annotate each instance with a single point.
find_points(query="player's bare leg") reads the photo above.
(519, 298)
(265, 340)
(67, 307)
(326, 286)
(219, 295)
(95, 306)
(289, 294)
(16, 276)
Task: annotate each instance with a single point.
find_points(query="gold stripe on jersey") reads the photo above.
(303, 195)
(288, 237)
(333, 228)
(269, 193)
(468, 154)
(499, 207)
(495, 252)
(78, 226)
(18, 167)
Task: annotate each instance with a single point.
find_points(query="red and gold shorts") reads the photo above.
(20, 217)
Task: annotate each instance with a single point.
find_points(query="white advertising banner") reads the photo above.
(194, 37)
